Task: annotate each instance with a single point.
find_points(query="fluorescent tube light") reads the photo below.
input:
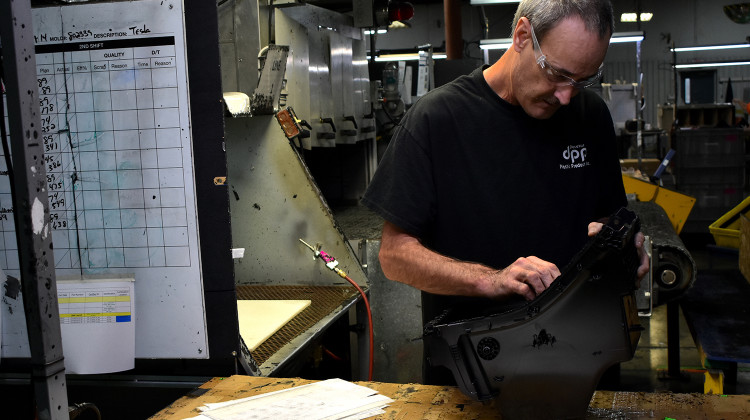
(372, 31)
(619, 37)
(718, 64)
(495, 44)
(710, 47)
(408, 56)
(486, 2)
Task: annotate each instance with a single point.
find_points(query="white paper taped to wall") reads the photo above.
(97, 321)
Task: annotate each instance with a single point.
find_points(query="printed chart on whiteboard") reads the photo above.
(112, 85)
(113, 153)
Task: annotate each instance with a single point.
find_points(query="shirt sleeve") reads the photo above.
(402, 190)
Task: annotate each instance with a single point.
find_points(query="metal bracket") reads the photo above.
(266, 96)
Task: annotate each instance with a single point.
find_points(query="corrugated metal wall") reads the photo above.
(658, 82)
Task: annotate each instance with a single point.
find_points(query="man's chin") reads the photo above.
(543, 110)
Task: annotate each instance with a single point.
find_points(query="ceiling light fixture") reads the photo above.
(717, 64)
(496, 44)
(633, 17)
(407, 57)
(486, 2)
(620, 37)
(710, 47)
(738, 13)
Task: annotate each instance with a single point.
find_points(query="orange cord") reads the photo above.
(331, 263)
(332, 355)
(369, 320)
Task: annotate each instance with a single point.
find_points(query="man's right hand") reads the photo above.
(526, 277)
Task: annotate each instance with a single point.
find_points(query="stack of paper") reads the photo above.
(330, 399)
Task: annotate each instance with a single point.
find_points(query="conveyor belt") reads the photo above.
(673, 268)
(324, 300)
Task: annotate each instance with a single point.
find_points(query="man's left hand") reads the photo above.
(595, 227)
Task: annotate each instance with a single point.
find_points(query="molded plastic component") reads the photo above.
(544, 358)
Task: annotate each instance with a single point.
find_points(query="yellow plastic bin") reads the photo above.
(726, 229)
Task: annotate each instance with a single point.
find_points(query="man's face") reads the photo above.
(570, 50)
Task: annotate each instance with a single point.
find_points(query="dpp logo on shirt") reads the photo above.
(574, 157)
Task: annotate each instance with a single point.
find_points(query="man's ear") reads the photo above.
(522, 35)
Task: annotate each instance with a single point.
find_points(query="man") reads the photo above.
(491, 182)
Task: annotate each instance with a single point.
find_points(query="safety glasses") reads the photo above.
(556, 76)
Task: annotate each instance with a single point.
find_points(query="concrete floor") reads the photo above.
(648, 370)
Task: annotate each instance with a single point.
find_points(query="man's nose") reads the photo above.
(564, 93)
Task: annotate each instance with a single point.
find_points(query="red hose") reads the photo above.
(332, 355)
(369, 320)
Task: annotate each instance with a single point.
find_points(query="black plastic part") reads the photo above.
(550, 352)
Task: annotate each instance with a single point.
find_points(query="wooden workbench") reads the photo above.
(413, 401)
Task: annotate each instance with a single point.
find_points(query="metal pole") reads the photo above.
(675, 76)
(31, 209)
(639, 102)
(639, 106)
(673, 339)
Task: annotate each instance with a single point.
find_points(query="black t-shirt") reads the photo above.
(477, 179)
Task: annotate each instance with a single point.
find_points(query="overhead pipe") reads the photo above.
(454, 43)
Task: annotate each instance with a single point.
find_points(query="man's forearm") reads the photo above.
(403, 258)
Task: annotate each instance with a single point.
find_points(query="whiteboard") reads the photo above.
(113, 92)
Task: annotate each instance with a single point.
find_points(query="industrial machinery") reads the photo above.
(673, 269)
(312, 67)
(543, 358)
